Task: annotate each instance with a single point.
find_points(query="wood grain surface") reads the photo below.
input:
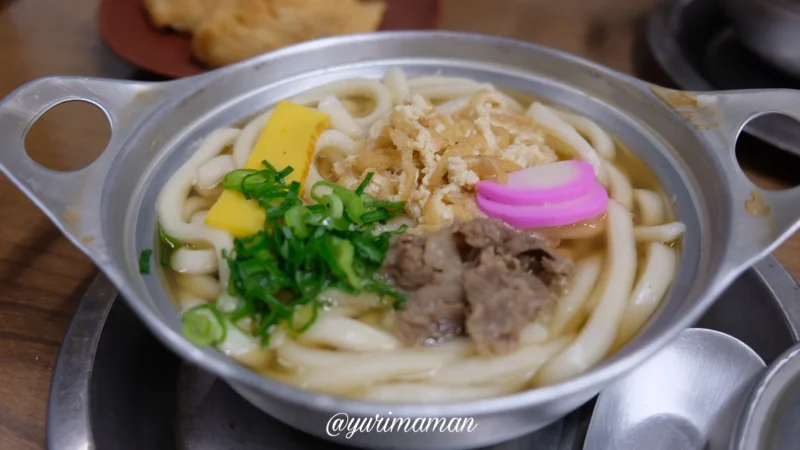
(43, 275)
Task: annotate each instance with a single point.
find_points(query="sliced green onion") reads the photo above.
(364, 183)
(170, 241)
(335, 205)
(168, 245)
(270, 167)
(204, 325)
(255, 180)
(294, 192)
(370, 250)
(338, 224)
(317, 208)
(304, 316)
(165, 258)
(343, 252)
(233, 180)
(319, 184)
(296, 218)
(376, 216)
(387, 204)
(275, 304)
(352, 204)
(144, 261)
(284, 173)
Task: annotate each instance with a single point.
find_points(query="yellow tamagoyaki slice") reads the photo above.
(288, 139)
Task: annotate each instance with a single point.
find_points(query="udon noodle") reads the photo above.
(428, 141)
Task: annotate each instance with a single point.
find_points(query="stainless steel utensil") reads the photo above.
(770, 28)
(688, 396)
(772, 412)
(687, 139)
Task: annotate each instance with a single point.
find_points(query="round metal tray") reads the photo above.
(116, 388)
(692, 42)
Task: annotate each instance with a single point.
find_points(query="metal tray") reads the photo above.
(116, 388)
(770, 418)
(693, 43)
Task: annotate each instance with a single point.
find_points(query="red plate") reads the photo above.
(127, 30)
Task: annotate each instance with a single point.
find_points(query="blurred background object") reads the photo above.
(770, 28)
(600, 30)
(691, 44)
(178, 38)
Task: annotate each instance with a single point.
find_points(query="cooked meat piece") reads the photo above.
(553, 269)
(533, 250)
(415, 261)
(434, 312)
(404, 262)
(503, 298)
(481, 278)
(430, 268)
(483, 233)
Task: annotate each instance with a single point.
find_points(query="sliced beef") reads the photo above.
(433, 313)
(431, 269)
(533, 250)
(404, 262)
(414, 261)
(553, 269)
(502, 298)
(483, 233)
(482, 278)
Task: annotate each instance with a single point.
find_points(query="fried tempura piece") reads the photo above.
(241, 29)
(180, 15)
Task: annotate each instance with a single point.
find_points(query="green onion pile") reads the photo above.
(278, 274)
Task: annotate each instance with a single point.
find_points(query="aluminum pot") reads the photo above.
(687, 139)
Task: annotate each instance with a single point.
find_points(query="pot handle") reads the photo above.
(760, 219)
(67, 198)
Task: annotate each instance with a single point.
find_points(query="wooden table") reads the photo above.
(43, 275)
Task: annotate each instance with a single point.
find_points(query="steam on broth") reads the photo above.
(346, 241)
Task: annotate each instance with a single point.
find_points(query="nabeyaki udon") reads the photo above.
(422, 239)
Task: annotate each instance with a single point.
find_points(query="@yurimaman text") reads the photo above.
(341, 423)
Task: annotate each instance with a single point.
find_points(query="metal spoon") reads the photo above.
(688, 396)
